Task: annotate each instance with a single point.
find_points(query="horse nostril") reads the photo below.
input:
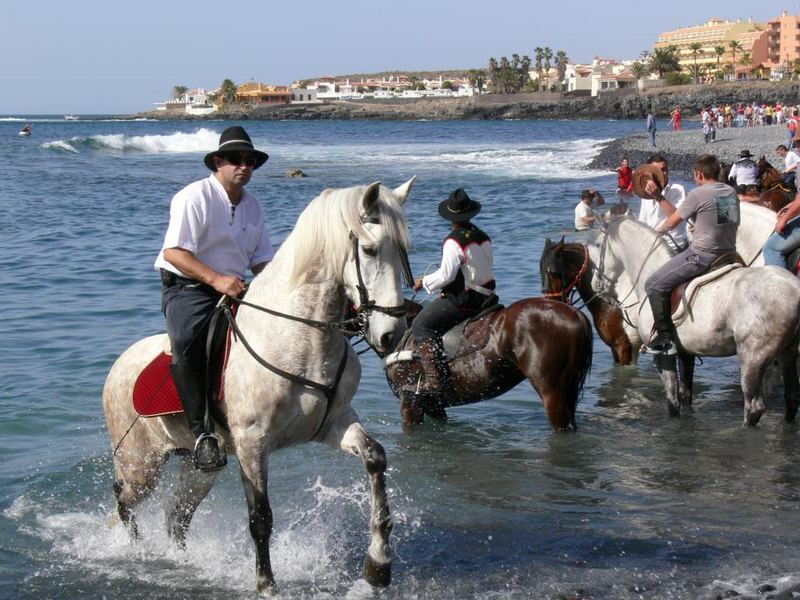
(387, 341)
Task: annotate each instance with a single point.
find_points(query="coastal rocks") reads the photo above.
(681, 148)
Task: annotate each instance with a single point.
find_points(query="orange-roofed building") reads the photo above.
(260, 93)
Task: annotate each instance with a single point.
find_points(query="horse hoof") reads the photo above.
(674, 410)
(267, 589)
(377, 574)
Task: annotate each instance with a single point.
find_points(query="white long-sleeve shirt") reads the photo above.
(650, 212)
(474, 261)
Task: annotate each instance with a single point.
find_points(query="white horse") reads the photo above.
(758, 223)
(347, 249)
(751, 312)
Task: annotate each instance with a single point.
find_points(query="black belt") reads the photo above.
(168, 278)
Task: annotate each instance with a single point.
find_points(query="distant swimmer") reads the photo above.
(26, 130)
(624, 181)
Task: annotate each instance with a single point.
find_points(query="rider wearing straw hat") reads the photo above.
(465, 281)
(215, 233)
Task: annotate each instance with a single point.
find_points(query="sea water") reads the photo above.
(491, 504)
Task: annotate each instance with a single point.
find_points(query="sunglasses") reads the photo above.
(238, 160)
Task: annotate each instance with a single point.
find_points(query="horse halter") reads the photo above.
(365, 305)
(567, 292)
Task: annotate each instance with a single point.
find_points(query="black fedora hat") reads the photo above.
(745, 154)
(235, 139)
(459, 207)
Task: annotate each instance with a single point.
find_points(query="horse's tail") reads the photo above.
(584, 366)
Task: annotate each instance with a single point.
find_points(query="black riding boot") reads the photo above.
(663, 341)
(191, 389)
(437, 375)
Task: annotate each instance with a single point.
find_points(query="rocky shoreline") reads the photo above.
(681, 148)
(624, 104)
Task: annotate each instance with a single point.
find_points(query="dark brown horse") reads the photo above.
(776, 193)
(565, 269)
(544, 341)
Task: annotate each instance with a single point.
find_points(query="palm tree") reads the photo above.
(734, 45)
(695, 48)
(720, 52)
(746, 60)
(639, 69)
(492, 69)
(228, 91)
(178, 91)
(663, 60)
(696, 71)
(525, 66)
(477, 78)
(538, 54)
(547, 54)
(561, 65)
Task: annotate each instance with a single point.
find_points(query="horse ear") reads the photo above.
(370, 197)
(562, 240)
(403, 191)
(547, 243)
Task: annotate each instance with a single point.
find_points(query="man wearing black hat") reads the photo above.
(465, 280)
(744, 172)
(215, 233)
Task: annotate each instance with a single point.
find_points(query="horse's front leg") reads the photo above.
(348, 434)
(791, 385)
(752, 374)
(686, 380)
(253, 463)
(667, 368)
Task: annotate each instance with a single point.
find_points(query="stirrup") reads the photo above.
(668, 348)
(221, 458)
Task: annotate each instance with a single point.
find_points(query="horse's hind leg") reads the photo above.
(686, 380)
(667, 369)
(348, 434)
(752, 373)
(192, 487)
(135, 482)
(791, 385)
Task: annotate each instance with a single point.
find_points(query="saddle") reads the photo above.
(682, 296)
(155, 394)
(464, 338)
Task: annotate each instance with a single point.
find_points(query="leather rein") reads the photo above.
(353, 326)
(567, 293)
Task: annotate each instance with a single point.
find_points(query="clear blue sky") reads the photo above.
(92, 56)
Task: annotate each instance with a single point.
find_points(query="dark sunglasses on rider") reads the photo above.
(240, 159)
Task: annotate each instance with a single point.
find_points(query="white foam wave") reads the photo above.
(542, 161)
(202, 140)
(61, 145)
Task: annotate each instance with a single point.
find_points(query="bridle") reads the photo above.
(357, 325)
(567, 292)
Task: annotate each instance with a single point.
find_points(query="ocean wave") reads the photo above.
(202, 140)
(541, 161)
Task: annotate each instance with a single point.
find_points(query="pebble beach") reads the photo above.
(681, 148)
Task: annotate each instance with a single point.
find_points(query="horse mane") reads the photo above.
(659, 241)
(317, 247)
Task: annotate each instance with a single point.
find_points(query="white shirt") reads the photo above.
(790, 160)
(650, 212)
(474, 261)
(582, 211)
(744, 172)
(228, 238)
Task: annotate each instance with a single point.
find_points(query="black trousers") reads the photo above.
(436, 318)
(188, 306)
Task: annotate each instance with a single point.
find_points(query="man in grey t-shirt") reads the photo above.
(715, 208)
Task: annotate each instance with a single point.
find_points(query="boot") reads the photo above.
(437, 375)
(662, 342)
(191, 389)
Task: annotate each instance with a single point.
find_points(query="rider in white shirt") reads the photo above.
(656, 209)
(744, 171)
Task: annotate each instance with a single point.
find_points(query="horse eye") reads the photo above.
(371, 252)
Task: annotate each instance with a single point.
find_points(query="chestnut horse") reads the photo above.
(565, 269)
(776, 194)
(546, 342)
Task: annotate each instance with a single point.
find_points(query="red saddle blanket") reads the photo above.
(154, 393)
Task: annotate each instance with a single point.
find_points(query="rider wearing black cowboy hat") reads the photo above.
(465, 281)
(215, 234)
(744, 172)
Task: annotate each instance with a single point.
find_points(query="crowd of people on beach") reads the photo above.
(720, 116)
(699, 226)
